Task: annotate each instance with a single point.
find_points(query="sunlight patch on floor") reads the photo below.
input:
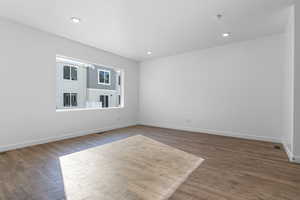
(133, 168)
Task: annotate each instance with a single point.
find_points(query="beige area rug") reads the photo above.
(134, 168)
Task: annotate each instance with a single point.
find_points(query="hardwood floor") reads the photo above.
(133, 168)
(234, 169)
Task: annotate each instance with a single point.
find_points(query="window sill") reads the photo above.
(84, 109)
(106, 84)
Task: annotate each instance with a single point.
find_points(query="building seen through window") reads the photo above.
(83, 85)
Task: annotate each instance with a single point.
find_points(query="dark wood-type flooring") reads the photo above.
(234, 169)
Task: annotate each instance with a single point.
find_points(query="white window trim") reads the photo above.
(70, 72)
(84, 109)
(98, 75)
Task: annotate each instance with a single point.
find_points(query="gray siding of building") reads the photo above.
(92, 78)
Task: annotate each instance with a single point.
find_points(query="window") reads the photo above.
(70, 73)
(84, 85)
(103, 77)
(104, 99)
(67, 72)
(70, 99)
(73, 99)
(73, 73)
(67, 100)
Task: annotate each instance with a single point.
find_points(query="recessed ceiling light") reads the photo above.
(75, 20)
(225, 35)
(149, 52)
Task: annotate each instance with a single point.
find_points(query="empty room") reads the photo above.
(150, 100)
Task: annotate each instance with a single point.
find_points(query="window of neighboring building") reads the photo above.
(103, 77)
(104, 99)
(70, 99)
(73, 99)
(70, 73)
(119, 99)
(67, 100)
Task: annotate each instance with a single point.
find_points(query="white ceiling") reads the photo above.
(132, 27)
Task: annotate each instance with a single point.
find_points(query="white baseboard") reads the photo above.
(213, 132)
(62, 137)
(288, 152)
(292, 158)
(296, 159)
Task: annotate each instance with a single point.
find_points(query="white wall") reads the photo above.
(233, 90)
(296, 146)
(288, 84)
(28, 87)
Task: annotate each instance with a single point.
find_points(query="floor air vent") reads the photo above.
(277, 147)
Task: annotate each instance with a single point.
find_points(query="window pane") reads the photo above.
(67, 72)
(102, 100)
(74, 99)
(74, 73)
(67, 99)
(101, 76)
(106, 101)
(106, 77)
